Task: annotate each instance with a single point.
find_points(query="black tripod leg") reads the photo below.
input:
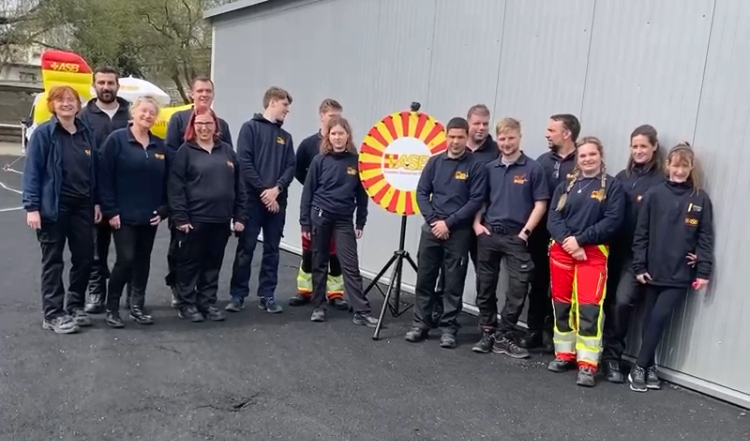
(386, 304)
(411, 262)
(376, 279)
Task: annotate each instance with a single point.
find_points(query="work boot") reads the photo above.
(537, 340)
(61, 325)
(365, 319)
(190, 313)
(448, 340)
(95, 303)
(136, 303)
(114, 320)
(319, 315)
(652, 380)
(506, 345)
(81, 318)
(484, 345)
(416, 335)
(559, 365)
(235, 305)
(270, 305)
(637, 378)
(299, 300)
(586, 376)
(339, 303)
(213, 314)
(614, 375)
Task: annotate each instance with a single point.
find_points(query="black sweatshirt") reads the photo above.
(132, 180)
(206, 187)
(306, 151)
(452, 189)
(100, 122)
(178, 124)
(591, 220)
(333, 185)
(635, 184)
(674, 221)
(487, 152)
(266, 155)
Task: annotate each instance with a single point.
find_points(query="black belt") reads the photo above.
(501, 229)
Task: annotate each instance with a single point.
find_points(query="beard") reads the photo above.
(106, 96)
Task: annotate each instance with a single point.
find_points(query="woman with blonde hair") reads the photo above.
(132, 180)
(673, 249)
(59, 194)
(332, 193)
(585, 213)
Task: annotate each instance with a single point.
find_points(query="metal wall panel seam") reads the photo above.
(705, 66)
(588, 58)
(499, 59)
(429, 62)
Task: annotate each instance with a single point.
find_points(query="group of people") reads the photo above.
(569, 232)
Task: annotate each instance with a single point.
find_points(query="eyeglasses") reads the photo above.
(556, 174)
(205, 124)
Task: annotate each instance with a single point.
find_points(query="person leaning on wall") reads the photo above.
(60, 199)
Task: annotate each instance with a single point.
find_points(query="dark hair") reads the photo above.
(478, 109)
(190, 133)
(202, 79)
(570, 123)
(325, 143)
(276, 93)
(107, 71)
(657, 160)
(683, 151)
(457, 123)
(329, 104)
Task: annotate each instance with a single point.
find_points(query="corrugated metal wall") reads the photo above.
(681, 66)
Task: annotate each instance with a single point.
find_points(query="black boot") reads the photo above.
(113, 319)
(95, 302)
(137, 299)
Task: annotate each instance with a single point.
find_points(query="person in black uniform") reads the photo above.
(202, 94)
(673, 249)
(516, 201)
(451, 190)
(562, 133)
(103, 114)
(206, 195)
(306, 151)
(60, 199)
(644, 170)
(333, 191)
(132, 187)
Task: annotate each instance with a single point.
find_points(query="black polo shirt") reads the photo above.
(76, 164)
(512, 190)
(556, 168)
(487, 152)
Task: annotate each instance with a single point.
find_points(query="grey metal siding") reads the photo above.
(681, 66)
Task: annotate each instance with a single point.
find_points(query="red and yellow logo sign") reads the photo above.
(392, 157)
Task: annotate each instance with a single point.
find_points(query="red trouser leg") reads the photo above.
(562, 277)
(590, 291)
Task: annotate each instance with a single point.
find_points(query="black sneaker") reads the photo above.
(319, 315)
(61, 325)
(484, 345)
(448, 340)
(299, 300)
(506, 345)
(531, 340)
(81, 318)
(140, 317)
(652, 380)
(365, 319)
(416, 335)
(586, 377)
(637, 379)
(614, 374)
(559, 365)
(339, 303)
(212, 313)
(114, 320)
(190, 313)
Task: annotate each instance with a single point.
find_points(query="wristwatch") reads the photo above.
(526, 231)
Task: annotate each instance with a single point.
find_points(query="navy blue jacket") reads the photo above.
(333, 185)
(591, 217)
(487, 152)
(266, 155)
(306, 151)
(178, 123)
(100, 123)
(674, 221)
(43, 174)
(132, 180)
(635, 183)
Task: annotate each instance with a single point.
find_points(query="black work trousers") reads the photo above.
(198, 258)
(169, 279)
(660, 304)
(133, 245)
(491, 251)
(450, 255)
(74, 224)
(324, 228)
(539, 317)
(473, 256)
(623, 295)
(100, 267)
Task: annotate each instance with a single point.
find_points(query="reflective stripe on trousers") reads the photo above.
(335, 283)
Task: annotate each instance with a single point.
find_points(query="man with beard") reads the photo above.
(103, 114)
(202, 94)
(484, 150)
(562, 133)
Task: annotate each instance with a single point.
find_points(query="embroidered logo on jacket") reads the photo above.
(598, 195)
(159, 156)
(351, 171)
(280, 140)
(691, 221)
(462, 175)
(520, 179)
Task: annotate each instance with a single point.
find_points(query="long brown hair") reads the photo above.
(683, 152)
(657, 160)
(573, 176)
(325, 144)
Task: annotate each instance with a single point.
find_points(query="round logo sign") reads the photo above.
(392, 157)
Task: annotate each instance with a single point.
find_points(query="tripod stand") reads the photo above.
(394, 285)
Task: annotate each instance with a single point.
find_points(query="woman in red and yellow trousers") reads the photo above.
(585, 213)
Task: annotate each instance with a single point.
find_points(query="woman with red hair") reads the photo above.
(206, 194)
(59, 195)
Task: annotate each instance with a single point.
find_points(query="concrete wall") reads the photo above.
(681, 66)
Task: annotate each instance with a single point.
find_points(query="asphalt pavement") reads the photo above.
(259, 376)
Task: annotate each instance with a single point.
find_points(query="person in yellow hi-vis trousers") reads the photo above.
(306, 151)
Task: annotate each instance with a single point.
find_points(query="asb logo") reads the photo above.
(405, 161)
(598, 195)
(351, 171)
(692, 222)
(519, 179)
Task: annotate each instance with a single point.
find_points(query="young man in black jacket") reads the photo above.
(103, 114)
(266, 155)
(307, 150)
